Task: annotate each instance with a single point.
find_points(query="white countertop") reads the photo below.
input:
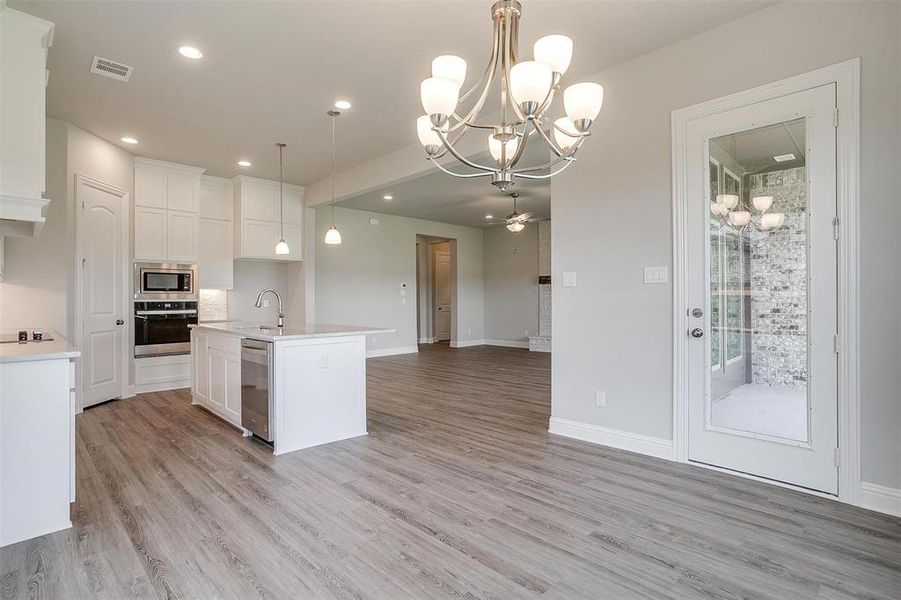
(56, 348)
(289, 332)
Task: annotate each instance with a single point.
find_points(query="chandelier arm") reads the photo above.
(460, 157)
(568, 156)
(575, 134)
(460, 175)
(492, 63)
(453, 142)
(549, 175)
(477, 107)
(507, 55)
(536, 125)
(520, 148)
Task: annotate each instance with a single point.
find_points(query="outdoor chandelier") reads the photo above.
(526, 92)
(745, 221)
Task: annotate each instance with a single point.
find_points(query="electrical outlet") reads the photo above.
(600, 398)
(323, 361)
(526, 332)
(266, 303)
(655, 275)
(468, 331)
(569, 279)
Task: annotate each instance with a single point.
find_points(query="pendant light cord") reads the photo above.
(334, 116)
(281, 195)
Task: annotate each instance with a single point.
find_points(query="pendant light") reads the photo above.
(281, 247)
(332, 236)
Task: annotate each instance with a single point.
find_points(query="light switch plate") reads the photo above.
(373, 221)
(655, 275)
(568, 279)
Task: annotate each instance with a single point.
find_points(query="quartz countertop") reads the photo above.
(48, 349)
(268, 332)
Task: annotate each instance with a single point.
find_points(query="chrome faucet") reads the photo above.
(281, 315)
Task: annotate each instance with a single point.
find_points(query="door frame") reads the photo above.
(846, 76)
(123, 195)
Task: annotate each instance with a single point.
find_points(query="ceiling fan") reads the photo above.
(517, 222)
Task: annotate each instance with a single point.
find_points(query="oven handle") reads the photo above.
(141, 313)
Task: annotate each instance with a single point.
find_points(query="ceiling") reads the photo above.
(436, 196)
(271, 69)
(754, 149)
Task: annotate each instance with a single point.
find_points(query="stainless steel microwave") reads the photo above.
(165, 281)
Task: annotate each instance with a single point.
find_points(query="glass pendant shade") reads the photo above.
(583, 101)
(427, 136)
(450, 67)
(530, 81)
(564, 141)
(772, 221)
(516, 227)
(555, 51)
(439, 96)
(719, 210)
(282, 247)
(730, 201)
(494, 147)
(762, 203)
(332, 236)
(739, 218)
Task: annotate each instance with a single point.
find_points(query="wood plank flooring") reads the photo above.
(458, 492)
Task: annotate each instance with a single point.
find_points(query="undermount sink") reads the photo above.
(257, 328)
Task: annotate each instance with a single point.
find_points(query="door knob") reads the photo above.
(696, 332)
(120, 322)
(697, 313)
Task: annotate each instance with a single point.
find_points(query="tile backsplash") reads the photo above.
(213, 305)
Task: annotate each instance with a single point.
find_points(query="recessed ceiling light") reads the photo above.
(784, 157)
(190, 52)
(128, 140)
(342, 104)
(387, 197)
(244, 163)
(489, 216)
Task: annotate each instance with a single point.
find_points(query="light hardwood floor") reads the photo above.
(458, 492)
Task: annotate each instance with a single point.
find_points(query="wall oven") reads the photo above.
(162, 281)
(162, 328)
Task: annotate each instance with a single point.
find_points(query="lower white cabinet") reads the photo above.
(216, 383)
(215, 261)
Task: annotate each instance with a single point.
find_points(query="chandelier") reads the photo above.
(527, 91)
(752, 221)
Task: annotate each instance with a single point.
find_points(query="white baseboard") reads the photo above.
(162, 386)
(507, 343)
(466, 343)
(430, 340)
(391, 351)
(624, 440)
(880, 498)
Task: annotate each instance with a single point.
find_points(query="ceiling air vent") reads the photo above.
(112, 69)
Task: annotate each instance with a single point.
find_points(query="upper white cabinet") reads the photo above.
(215, 261)
(167, 204)
(257, 225)
(24, 42)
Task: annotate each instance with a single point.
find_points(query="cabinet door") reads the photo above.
(151, 234)
(293, 207)
(216, 199)
(183, 234)
(200, 382)
(259, 201)
(233, 390)
(215, 260)
(150, 188)
(258, 239)
(184, 192)
(218, 381)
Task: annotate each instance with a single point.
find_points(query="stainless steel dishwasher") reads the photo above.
(257, 400)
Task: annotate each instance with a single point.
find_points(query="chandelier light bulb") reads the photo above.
(450, 67)
(332, 236)
(555, 51)
(516, 226)
(730, 201)
(772, 221)
(563, 140)
(439, 97)
(428, 137)
(494, 147)
(739, 218)
(530, 82)
(719, 210)
(582, 103)
(282, 247)
(762, 203)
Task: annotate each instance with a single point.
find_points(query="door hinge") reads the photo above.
(82, 205)
(83, 261)
(835, 117)
(836, 231)
(835, 344)
(838, 458)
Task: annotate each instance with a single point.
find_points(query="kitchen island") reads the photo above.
(295, 387)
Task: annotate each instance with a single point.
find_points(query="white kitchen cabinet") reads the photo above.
(216, 198)
(183, 234)
(167, 204)
(217, 374)
(215, 261)
(151, 234)
(257, 224)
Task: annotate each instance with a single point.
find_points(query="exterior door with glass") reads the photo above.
(762, 290)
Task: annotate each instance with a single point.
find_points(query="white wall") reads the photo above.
(359, 281)
(613, 216)
(511, 283)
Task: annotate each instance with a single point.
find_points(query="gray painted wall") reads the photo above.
(359, 281)
(511, 283)
(613, 333)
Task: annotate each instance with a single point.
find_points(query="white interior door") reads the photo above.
(443, 293)
(762, 363)
(102, 247)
